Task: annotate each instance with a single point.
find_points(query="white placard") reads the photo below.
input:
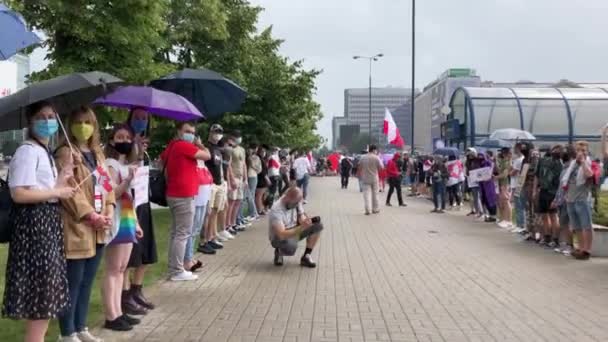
(141, 184)
(480, 175)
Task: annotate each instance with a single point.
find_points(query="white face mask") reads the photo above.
(238, 141)
(217, 137)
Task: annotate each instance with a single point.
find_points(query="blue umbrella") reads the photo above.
(447, 152)
(15, 35)
(212, 93)
(494, 143)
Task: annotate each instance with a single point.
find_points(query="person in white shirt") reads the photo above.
(302, 169)
(274, 173)
(518, 201)
(36, 284)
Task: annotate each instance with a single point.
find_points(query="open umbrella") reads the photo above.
(495, 143)
(212, 93)
(512, 134)
(447, 152)
(65, 92)
(162, 103)
(15, 35)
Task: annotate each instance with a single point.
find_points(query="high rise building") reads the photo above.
(13, 76)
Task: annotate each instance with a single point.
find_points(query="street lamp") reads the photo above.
(370, 59)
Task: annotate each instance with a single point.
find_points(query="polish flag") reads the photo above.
(391, 131)
(103, 179)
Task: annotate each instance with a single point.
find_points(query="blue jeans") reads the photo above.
(81, 274)
(520, 209)
(476, 191)
(199, 219)
(579, 213)
(252, 211)
(303, 184)
(439, 191)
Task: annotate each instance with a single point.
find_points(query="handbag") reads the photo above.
(158, 184)
(6, 207)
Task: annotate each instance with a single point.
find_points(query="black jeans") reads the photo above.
(283, 184)
(344, 179)
(454, 194)
(394, 184)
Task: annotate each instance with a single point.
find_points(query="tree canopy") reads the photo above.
(139, 40)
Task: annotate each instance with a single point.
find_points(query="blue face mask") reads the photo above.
(189, 137)
(139, 125)
(45, 128)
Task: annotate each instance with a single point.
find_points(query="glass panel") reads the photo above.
(458, 111)
(589, 116)
(537, 92)
(584, 93)
(491, 115)
(501, 93)
(545, 116)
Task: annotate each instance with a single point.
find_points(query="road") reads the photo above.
(401, 275)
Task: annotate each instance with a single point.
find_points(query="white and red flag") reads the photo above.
(391, 131)
(103, 179)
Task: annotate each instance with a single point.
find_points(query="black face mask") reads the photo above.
(565, 157)
(556, 155)
(123, 147)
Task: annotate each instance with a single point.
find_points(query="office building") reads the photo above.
(13, 77)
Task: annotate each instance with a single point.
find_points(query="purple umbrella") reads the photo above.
(386, 157)
(159, 102)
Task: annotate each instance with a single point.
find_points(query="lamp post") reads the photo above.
(370, 59)
(413, 106)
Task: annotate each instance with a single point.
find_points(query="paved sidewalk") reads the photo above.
(402, 275)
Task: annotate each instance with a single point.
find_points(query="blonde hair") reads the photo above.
(94, 141)
(582, 143)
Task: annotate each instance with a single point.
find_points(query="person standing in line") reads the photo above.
(546, 185)
(454, 183)
(345, 169)
(199, 227)
(303, 168)
(393, 170)
(439, 176)
(487, 189)
(579, 180)
(263, 182)
(254, 167)
(473, 163)
(274, 173)
(181, 160)
(144, 252)
(238, 169)
(504, 189)
(565, 246)
(121, 162)
(36, 285)
(530, 162)
(369, 167)
(518, 198)
(86, 216)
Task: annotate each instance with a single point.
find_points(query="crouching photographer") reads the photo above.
(288, 224)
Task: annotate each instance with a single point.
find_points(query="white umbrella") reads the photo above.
(512, 134)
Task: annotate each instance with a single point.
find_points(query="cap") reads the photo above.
(472, 150)
(216, 128)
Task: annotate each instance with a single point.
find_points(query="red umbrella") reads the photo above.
(334, 159)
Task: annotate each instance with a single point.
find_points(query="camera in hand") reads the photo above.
(316, 219)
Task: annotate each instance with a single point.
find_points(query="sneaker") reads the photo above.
(367, 212)
(240, 228)
(221, 238)
(307, 261)
(278, 258)
(232, 231)
(226, 235)
(215, 244)
(184, 276)
(85, 336)
(118, 325)
(403, 205)
(71, 338)
(375, 211)
(206, 249)
(567, 251)
(551, 244)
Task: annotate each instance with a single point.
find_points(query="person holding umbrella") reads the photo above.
(36, 284)
(144, 252)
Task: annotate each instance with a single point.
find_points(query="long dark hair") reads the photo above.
(32, 110)
(111, 152)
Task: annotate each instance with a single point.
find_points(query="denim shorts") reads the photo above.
(579, 213)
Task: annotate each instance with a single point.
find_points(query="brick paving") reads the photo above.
(402, 275)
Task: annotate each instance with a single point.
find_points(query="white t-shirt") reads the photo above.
(204, 193)
(516, 164)
(31, 166)
(288, 217)
(301, 165)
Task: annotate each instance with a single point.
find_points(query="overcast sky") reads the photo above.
(504, 40)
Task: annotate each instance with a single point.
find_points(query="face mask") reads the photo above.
(291, 205)
(123, 147)
(139, 125)
(216, 137)
(238, 141)
(45, 128)
(189, 137)
(82, 131)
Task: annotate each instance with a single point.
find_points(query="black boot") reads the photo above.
(138, 296)
(130, 306)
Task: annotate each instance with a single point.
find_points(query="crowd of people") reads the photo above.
(85, 201)
(546, 194)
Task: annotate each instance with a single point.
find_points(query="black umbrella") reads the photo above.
(212, 93)
(65, 92)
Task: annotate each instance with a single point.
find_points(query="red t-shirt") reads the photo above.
(181, 166)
